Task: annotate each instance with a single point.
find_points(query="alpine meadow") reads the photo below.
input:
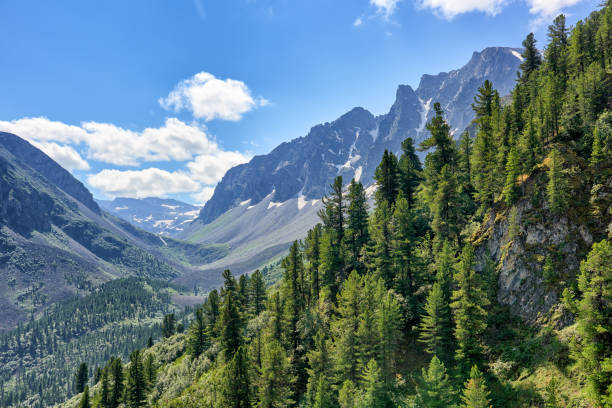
(453, 252)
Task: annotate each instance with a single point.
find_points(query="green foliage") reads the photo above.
(435, 389)
(198, 337)
(557, 184)
(475, 393)
(275, 379)
(594, 349)
(387, 179)
(435, 328)
(136, 387)
(84, 403)
(81, 377)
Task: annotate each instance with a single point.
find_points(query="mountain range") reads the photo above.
(57, 241)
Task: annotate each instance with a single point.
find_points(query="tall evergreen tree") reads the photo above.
(389, 322)
(387, 178)
(475, 393)
(333, 218)
(435, 389)
(81, 377)
(410, 170)
(293, 291)
(469, 302)
(435, 328)
(375, 395)
(312, 253)
(136, 387)
(258, 292)
(531, 56)
(236, 386)
(84, 403)
(557, 183)
(197, 338)
(512, 172)
(150, 371)
(116, 368)
(275, 379)
(594, 350)
(320, 367)
(168, 326)
(230, 326)
(105, 391)
(357, 225)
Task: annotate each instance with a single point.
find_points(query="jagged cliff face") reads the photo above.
(352, 145)
(520, 248)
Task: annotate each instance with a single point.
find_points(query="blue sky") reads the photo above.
(143, 97)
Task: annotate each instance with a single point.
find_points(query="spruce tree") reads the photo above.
(446, 210)
(344, 328)
(150, 371)
(236, 389)
(347, 397)
(510, 191)
(594, 320)
(84, 402)
(292, 287)
(168, 325)
(469, 303)
(475, 393)
(320, 367)
(105, 392)
(197, 338)
(531, 56)
(410, 170)
(557, 183)
(435, 389)
(357, 225)
(212, 307)
(136, 387)
(275, 379)
(323, 397)
(375, 395)
(435, 328)
(389, 322)
(381, 231)
(312, 253)
(116, 368)
(81, 378)
(258, 292)
(230, 326)
(387, 178)
(333, 218)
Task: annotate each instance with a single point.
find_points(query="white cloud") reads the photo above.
(386, 7)
(151, 182)
(203, 196)
(65, 155)
(211, 98)
(358, 22)
(108, 143)
(451, 8)
(549, 7)
(210, 168)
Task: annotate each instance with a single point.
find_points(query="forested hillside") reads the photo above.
(482, 277)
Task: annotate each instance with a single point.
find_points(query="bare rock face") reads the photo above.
(521, 248)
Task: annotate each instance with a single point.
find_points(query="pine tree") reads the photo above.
(357, 225)
(435, 328)
(277, 318)
(81, 378)
(387, 178)
(320, 366)
(84, 403)
(136, 387)
(116, 368)
(344, 328)
(447, 218)
(258, 292)
(105, 397)
(323, 397)
(333, 217)
(347, 397)
(292, 288)
(230, 326)
(595, 322)
(375, 395)
(405, 258)
(312, 253)
(197, 338)
(150, 371)
(212, 307)
(531, 56)
(557, 183)
(469, 302)
(475, 393)
(435, 390)
(168, 325)
(381, 231)
(368, 333)
(512, 172)
(236, 382)
(410, 170)
(275, 378)
(389, 322)
(243, 291)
